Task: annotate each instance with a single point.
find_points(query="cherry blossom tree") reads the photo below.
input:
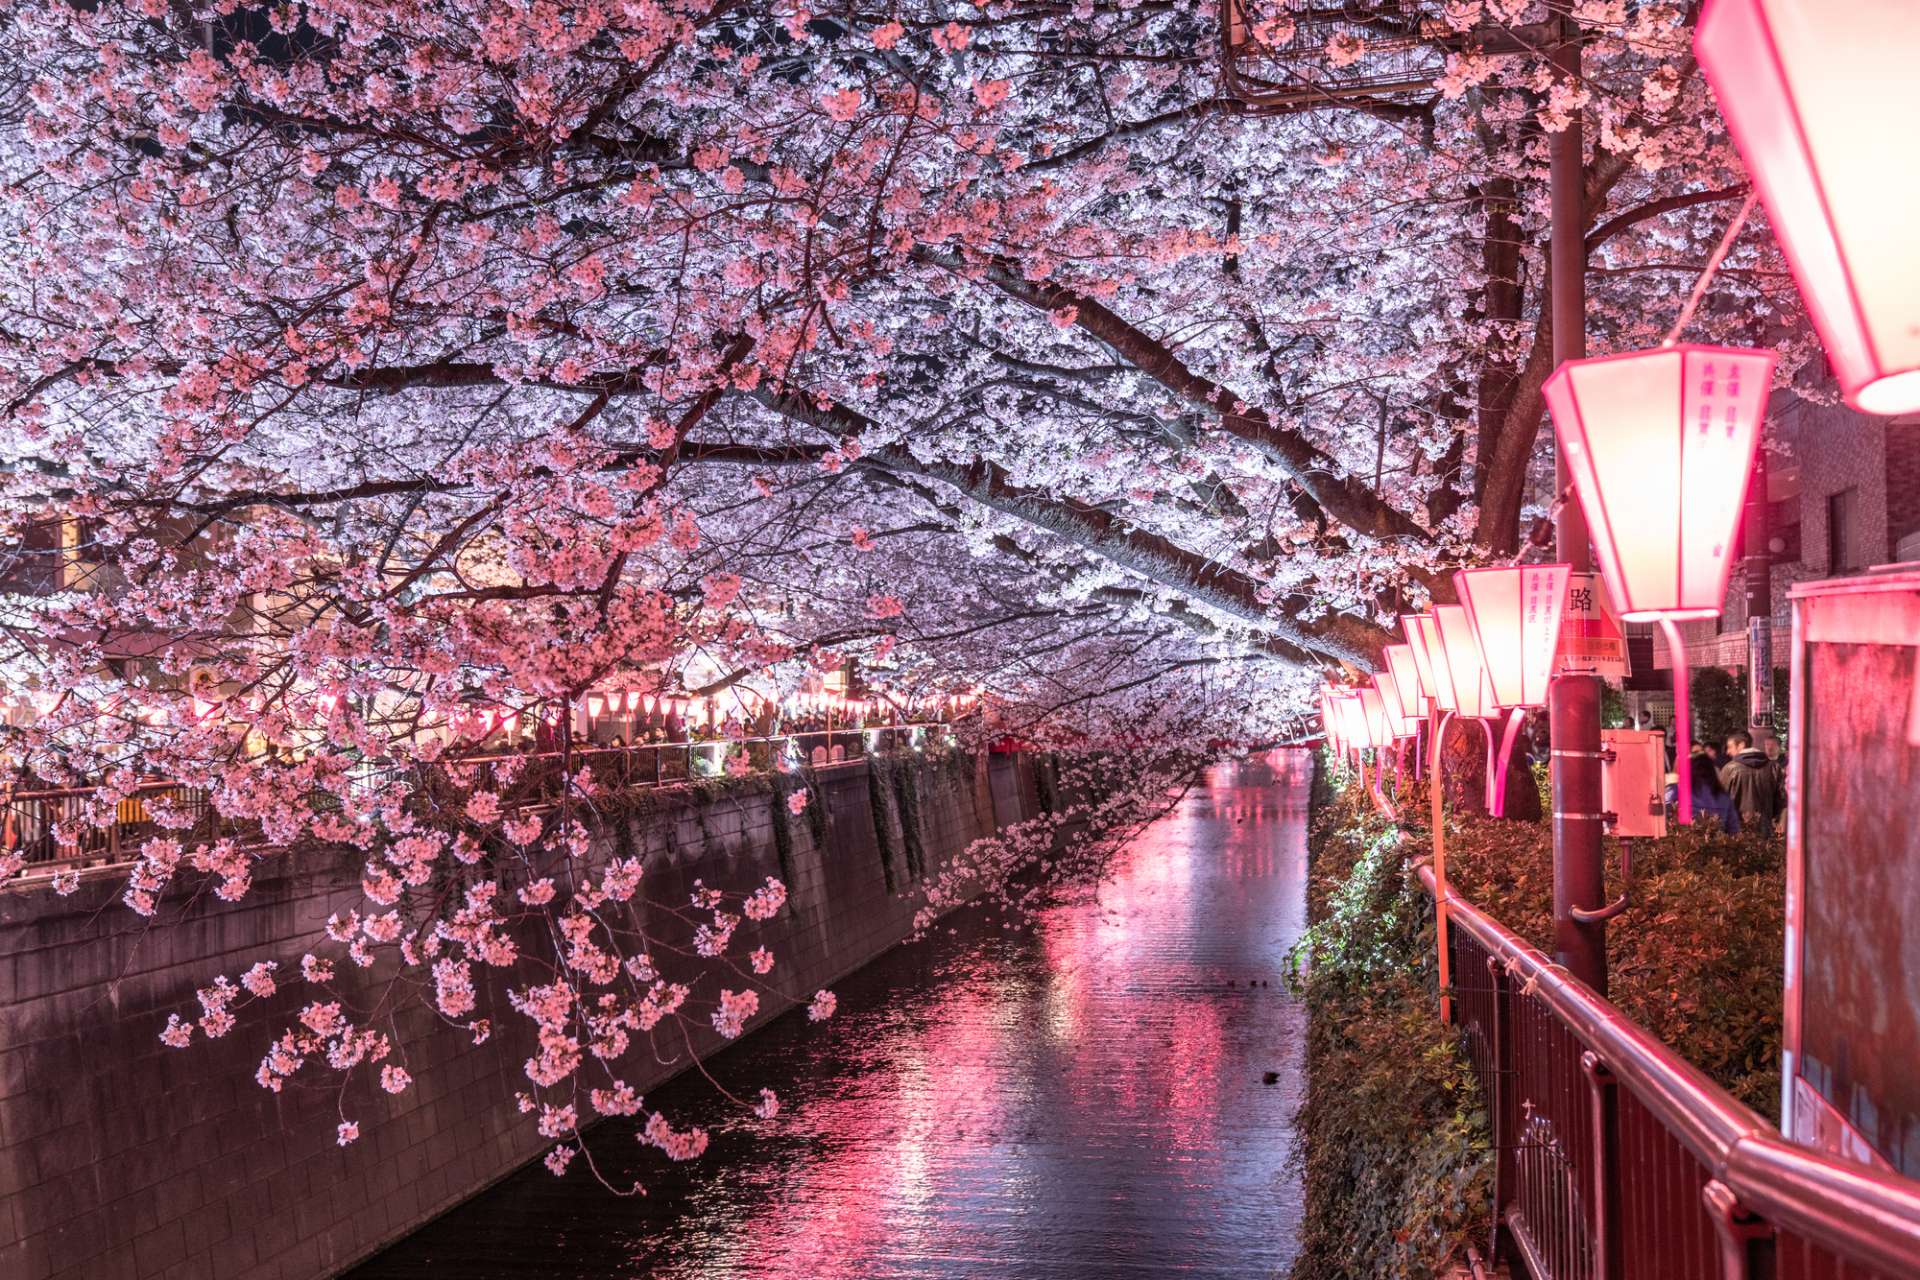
(384, 368)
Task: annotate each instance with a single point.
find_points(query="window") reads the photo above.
(1843, 543)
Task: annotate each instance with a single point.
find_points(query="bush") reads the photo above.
(1393, 1136)
(1696, 960)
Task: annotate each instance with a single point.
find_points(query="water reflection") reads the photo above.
(1079, 1098)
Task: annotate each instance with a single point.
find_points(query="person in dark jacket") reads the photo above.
(1710, 799)
(1753, 783)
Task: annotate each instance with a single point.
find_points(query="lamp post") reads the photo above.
(1579, 877)
(1820, 98)
(1660, 445)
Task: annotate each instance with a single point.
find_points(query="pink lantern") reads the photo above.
(1428, 628)
(1353, 720)
(1373, 705)
(1399, 724)
(1660, 445)
(1820, 98)
(1406, 680)
(1459, 656)
(1422, 655)
(1516, 616)
(595, 705)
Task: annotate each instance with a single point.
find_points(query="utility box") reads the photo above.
(1852, 1071)
(1633, 777)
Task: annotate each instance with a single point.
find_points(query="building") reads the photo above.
(1844, 497)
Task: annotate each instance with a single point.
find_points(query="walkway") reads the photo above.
(1077, 1100)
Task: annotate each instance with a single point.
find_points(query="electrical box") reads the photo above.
(1852, 1066)
(1633, 775)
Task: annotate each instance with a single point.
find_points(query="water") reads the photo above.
(1078, 1099)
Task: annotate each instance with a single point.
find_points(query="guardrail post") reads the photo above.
(1608, 1261)
(1505, 1140)
(1746, 1242)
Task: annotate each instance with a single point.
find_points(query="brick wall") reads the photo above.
(121, 1159)
(1903, 485)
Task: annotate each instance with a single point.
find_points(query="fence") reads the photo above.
(52, 828)
(1618, 1160)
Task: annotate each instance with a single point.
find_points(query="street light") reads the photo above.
(1660, 445)
(1820, 98)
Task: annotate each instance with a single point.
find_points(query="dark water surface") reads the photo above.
(1077, 1099)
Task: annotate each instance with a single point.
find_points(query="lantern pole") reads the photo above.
(1579, 874)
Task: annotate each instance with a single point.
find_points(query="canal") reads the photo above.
(1080, 1097)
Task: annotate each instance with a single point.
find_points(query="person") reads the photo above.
(1710, 799)
(1753, 783)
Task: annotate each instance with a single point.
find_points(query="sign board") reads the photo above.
(1633, 781)
(1852, 1033)
(1592, 641)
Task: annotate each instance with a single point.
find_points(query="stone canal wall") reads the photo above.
(121, 1159)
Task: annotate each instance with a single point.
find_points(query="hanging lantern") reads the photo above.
(1379, 726)
(1398, 723)
(1660, 445)
(1353, 720)
(595, 705)
(1428, 628)
(1516, 615)
(1820, 98)
(1406, 680)
(1413, 624)
(1459, 655)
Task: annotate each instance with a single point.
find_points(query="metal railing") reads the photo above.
(56, 827)
(1616, 1159)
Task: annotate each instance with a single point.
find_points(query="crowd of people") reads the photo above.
(1741, 786)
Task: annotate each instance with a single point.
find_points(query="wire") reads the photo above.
(1713, 266)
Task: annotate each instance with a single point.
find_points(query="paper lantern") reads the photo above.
(1459, 654)
(1430, 643)
(595, 705)
(1660, 446)
(1411, 623)
(1516, 616)
(1821, 97)
(1406, 680)
(1399, 724)
(1353, 720)
(1373, 706)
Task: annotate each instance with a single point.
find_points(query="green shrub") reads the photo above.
(1392, 1136)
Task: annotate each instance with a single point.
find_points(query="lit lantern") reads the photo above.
(1406, 680)
(1820, 98)
(1660, 445)
(1516, 616)
(1422, 656)
(595, 705)
(1399, 724)
(1379, 726)
(631, 703)
(1459, 656)
(1353, 720)
(1436, 680)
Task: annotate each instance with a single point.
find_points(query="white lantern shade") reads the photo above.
(1460, 655)
(1406, 680)
(1399, 725)
(1660, 445)
(1430, 643)
(1374, 707)
(1416, 634)
(1516, 615)
(1821, 97)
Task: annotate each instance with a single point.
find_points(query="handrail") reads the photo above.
(1863, 1216)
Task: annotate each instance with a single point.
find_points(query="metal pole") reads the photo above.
(1757, 569)
(1579, 874)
